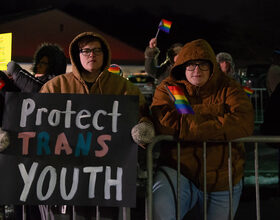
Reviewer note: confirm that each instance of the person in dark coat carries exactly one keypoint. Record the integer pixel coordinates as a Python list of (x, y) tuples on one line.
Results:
[(49, 61), (270, 125), (273, 74)]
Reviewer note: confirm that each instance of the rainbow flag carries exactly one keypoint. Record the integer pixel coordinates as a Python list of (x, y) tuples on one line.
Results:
[(180, 100), (2, 83), (165, 25), (248, 91), (115, 69)]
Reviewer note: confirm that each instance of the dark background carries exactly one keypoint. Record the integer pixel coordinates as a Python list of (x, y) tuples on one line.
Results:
[(249, 30)]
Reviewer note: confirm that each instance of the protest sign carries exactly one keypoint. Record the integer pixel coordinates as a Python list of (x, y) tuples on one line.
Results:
[(69, 149), (5, 50)]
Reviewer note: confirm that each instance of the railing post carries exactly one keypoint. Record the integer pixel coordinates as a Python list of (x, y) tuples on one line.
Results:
[(23, 212), (73, 213), (178, 180), (149, 189), (257, 181), (97, 213), (230, 179), (204, 182), (124, 213), (149, 182)]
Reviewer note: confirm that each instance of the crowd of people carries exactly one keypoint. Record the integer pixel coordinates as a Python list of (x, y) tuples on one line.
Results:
[(210, 84)]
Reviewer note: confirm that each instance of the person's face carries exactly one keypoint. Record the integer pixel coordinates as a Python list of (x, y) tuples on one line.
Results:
[(43, 65), (91, 57), (175, 58), (198, 72), (225, 66)]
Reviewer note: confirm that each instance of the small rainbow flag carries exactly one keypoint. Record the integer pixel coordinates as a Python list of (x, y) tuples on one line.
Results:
[(165, 25), (248, 91), (2, 83), (115, 69), (180, 100)]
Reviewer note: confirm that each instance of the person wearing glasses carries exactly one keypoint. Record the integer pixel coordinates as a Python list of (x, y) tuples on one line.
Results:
[(222, 112), (90, 57)]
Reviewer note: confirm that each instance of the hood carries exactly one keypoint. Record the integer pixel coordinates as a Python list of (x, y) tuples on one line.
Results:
[(74, 51), (224, 56), (195, 50)]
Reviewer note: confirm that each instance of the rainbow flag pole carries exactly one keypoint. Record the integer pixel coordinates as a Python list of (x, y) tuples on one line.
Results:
[(164, 25), (180, 100), (157, 33)]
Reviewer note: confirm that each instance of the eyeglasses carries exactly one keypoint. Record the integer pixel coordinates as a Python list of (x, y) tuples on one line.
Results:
[(87, 51), (202, 66)]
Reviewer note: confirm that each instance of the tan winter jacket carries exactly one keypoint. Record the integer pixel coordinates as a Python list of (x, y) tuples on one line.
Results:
[(222, 112), (105, 84)]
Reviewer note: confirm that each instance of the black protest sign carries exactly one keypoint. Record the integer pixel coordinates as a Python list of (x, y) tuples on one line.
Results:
[(69, 149)]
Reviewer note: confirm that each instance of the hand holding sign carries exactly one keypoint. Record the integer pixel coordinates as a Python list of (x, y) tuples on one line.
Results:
[(143, 133), (4, 140)]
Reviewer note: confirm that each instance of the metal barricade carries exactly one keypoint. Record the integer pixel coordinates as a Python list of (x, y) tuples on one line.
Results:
[(252, 139), (124, 213), (258, 99)]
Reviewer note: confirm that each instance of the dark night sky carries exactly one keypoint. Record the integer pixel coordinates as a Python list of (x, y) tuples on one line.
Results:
[(249, 29)]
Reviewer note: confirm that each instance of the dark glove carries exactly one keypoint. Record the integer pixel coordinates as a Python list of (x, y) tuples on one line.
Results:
[(6, 85), (4, 140), (13, 68), (143, 133), (24, 80)]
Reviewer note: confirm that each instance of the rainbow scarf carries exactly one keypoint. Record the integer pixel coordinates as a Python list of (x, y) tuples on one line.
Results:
[(180, 100), (115, 69), (248, 91), (165, 25)]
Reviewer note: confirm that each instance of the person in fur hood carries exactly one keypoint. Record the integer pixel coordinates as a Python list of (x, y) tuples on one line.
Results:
[(222, 112), (227, 65)]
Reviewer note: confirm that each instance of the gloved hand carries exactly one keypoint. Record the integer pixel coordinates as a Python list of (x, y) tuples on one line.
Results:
[(13, 68), (4, 140), (7, 83), (24, 80), (143, 133)]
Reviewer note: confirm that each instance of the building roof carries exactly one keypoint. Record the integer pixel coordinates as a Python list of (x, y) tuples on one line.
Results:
[(56, 26)]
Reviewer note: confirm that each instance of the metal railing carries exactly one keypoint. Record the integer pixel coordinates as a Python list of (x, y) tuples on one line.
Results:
[(252, 139), (258, 99), (124, 213)]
